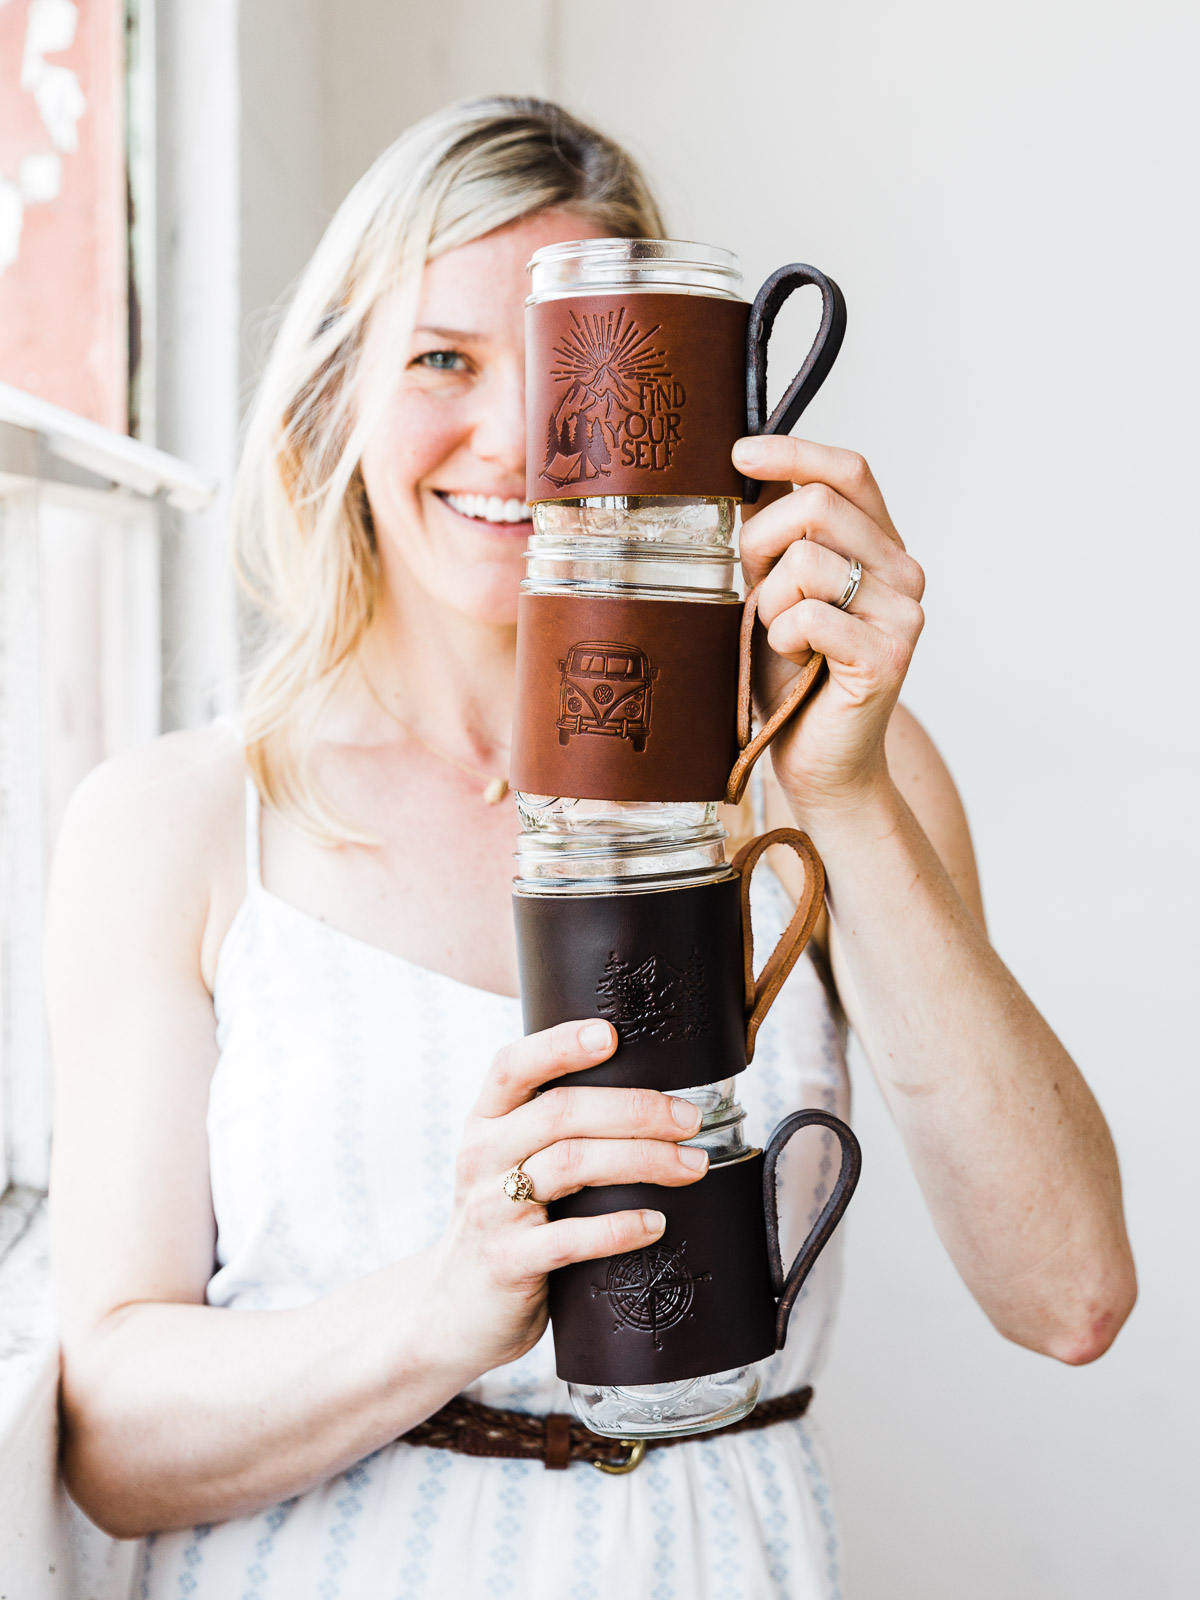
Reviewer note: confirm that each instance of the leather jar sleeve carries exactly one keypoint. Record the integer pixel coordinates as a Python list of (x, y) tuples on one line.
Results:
[(625, 699), (698, 1300), (664, 967), (634, 394)]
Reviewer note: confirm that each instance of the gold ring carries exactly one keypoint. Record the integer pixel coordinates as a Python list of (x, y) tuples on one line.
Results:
[(518, 1185)]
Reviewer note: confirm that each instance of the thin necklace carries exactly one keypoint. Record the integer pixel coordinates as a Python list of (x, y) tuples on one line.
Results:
[(495, 788)]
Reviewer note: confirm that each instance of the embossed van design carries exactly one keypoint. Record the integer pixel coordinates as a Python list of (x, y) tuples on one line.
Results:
[(605, 689)]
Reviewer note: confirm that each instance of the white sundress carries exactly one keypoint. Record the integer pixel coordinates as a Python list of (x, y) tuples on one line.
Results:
[(344, 1077)]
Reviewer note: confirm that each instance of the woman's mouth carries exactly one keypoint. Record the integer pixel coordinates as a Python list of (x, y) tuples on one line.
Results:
[(488, 509)]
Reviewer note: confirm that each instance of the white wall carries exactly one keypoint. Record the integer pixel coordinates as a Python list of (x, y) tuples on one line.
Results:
[(1007, 197), (281, 143), (385, 65)]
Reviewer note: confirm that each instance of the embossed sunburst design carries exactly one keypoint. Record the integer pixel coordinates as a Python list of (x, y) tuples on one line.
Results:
[(606, 364), (605, 354), (652, 1289)]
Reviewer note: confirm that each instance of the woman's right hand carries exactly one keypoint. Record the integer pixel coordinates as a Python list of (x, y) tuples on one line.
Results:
[(491, 1264)]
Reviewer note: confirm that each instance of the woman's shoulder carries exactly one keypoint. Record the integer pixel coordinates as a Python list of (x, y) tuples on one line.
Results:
[(155, 832), (189, 781)]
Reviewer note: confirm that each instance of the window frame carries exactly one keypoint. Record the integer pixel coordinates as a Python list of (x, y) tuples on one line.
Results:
[(60, 473)]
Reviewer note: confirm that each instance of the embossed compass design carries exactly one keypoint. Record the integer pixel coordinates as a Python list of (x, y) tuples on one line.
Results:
[(651, 1290)]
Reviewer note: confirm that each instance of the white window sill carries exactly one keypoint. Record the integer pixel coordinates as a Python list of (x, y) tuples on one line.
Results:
[(30, 1543), (48, 1549), (28, 1349), (32, 1548)]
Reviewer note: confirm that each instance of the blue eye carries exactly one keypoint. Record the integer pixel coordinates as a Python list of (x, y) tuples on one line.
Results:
[(439, 360)]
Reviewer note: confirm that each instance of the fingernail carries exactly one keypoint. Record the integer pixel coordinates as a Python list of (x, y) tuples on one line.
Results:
[(654, 1221), (686, 1114), (749, 452), (691, 1157), (595, 1035)]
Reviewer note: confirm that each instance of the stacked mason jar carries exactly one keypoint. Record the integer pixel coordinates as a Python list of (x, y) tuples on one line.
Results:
[(632, 723)]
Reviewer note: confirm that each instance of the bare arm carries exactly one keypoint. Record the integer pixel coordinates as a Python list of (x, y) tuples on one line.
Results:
[(1008, 1144), (173, 1411), (1011, 1151), (176, 1412)]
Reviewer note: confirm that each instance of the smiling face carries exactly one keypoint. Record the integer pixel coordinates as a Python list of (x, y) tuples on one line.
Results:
[(444, 469)]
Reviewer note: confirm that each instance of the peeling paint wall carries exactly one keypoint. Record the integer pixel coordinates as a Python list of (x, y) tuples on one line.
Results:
[(63, 298)]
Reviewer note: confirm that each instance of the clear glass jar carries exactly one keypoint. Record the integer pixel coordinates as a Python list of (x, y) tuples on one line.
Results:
[(686, 1405), (656, 547), (605, 266), (583, 865), (643, 549), (596, 860)]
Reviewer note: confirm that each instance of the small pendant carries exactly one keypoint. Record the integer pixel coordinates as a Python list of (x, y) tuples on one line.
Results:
[(495, 791)]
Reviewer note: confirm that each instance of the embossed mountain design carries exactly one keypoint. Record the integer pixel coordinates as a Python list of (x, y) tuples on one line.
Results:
[(603, 360), (651, 1000)]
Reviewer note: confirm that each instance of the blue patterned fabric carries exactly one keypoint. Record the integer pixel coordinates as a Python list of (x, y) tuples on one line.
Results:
[(343, 1080)]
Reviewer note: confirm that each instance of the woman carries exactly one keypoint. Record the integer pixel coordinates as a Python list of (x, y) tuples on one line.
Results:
[(273, 1018)]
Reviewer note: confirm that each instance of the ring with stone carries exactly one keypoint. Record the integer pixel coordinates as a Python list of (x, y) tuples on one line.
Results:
[(852, 582), (518, 1185)]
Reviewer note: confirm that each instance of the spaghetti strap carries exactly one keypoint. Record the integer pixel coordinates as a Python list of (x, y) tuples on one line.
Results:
[(253, 836)]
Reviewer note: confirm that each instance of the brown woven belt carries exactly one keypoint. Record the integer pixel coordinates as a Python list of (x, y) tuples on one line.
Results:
[(472, 1429)]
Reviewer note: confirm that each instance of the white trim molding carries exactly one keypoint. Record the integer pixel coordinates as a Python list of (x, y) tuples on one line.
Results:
[(81, 514)]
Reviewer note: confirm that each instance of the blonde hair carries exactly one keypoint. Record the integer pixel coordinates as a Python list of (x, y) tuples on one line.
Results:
[(304, 546)]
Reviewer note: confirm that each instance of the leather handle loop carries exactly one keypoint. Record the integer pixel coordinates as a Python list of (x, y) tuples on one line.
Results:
[(817, 364), (787, 1286), (761, 991), (750, 748)]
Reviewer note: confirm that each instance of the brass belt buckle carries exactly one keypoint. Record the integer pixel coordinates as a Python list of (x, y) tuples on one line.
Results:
[(636, 1449)]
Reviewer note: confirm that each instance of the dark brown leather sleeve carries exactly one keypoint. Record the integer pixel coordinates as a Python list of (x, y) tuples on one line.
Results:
[(699, 1300), (665, 968), (634, 393), (625, 699)]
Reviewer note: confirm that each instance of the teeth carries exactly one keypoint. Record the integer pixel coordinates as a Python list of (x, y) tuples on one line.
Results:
[(489, 507)]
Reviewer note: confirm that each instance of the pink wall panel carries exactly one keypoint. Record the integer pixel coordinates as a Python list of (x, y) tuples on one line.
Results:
[(63, 293)]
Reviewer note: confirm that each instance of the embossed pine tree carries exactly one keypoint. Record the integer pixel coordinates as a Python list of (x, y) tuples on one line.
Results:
[(596, 450), (551, 444), (613, 995), (626, 997), (694, 1016)]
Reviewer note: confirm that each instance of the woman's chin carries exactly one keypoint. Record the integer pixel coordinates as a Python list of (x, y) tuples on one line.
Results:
[(486, 593)]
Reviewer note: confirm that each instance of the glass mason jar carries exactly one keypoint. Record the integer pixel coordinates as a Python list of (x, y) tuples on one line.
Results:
[(626, 393), (644, 364), (686, 1405), (677, 855), (581, 867), (631, 897)]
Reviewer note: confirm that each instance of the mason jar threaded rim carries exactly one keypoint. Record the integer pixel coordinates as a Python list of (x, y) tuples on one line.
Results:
[(593, 863), (600, 266)]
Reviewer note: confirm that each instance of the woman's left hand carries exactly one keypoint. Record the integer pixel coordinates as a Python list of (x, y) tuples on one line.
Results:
[(800, 547)]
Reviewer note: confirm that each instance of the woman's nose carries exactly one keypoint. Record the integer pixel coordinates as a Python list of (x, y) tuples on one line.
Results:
[(499, 433)]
